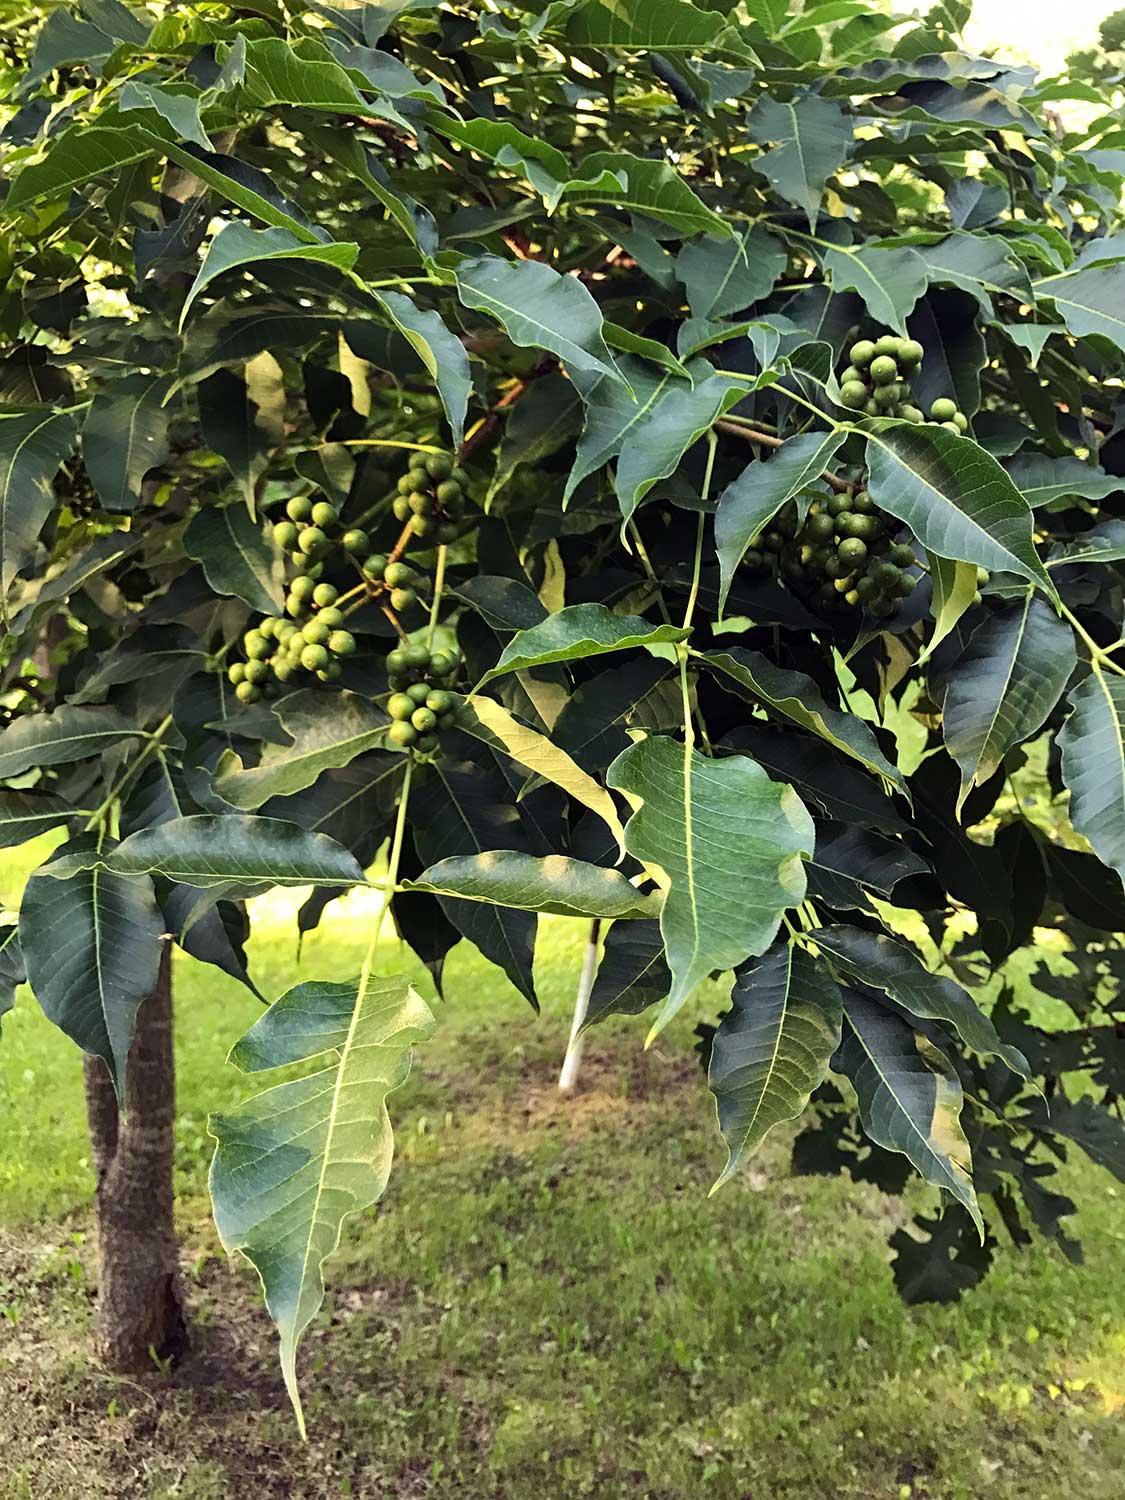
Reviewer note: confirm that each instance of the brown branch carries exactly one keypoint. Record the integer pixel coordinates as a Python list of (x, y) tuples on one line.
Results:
[(490, 423), (767, 440)]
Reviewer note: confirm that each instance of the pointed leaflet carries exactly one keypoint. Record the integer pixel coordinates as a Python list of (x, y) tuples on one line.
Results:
[(91, 944), (612, 413), (772, 1048), (654, 447), (909, 1096), (464, 809), (653, 188), (180, 110), (76, 155), (275, 74), (577, 632), (591, 726), (636, 25), (752, 500), (797, 698), (954, 496), (124, 436), (12, 970), (223, 850), (236, 556), (1103, 543), (727, 843), (1003, 685), (327, 732), (25, 815), (977, 264), (818, 775), (1091, 301), (56, 739), (1041, 479), (556, 884), (292, 1163), (442, 353), (813, 138), (243, 420), (32, 446), (954, 587), (489, 721), (725, 276), (1092, 742), (875, 960), (890, 281), (538, 425), (538, 309), (236, 247), (848, 860), (632, 975)]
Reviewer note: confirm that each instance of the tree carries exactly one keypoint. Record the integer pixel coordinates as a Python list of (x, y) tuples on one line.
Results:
[(572, 448)]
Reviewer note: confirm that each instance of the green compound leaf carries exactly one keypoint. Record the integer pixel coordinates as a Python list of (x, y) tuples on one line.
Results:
[(632, 975), (32, 446), (909, 1096), (275, 74), (291, 1164), (91, 945), (813, 137), (577, 632), (638, 25), (652, 450), (1092, 742), (56, 739), (235, 247), (180, 110), (751, 501), (797, 698), (954, 496), (76, 155), (1090, 301), (538, 309), (1004, 684), (1042, 479), (1103, 543), (25, 815), (556, 884), (880, 962), (215, 850), (124, 436), (726, 845), (612, 413), (653, 188), (236, 556), (327, 731), (772, 1048), (442, 353)]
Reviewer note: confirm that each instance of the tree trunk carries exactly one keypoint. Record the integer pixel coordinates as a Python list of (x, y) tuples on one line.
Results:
[(140, 1314)]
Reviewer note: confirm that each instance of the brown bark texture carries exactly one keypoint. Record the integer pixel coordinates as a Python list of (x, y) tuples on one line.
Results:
[(140, 1314)]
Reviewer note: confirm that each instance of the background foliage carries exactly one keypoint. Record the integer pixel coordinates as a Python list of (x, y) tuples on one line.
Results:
[(624, 254)]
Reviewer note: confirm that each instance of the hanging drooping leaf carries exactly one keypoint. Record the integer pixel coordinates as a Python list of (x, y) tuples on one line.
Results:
[(654, 447), (909, 1096), (25, 815), (440, 351), (1089, 301), (243, 419), (813, 137), (889, 280), (66, 735), (727, 276), (124, 436), (32, 446), (565, 887), (613, 411), (577, 632), (591, 725), (236, 556), (726, 845), (91, 945), (1092, 742), (633, 973), (1004, 684), (1042, 479), (652, 188), (325, 734), (291, 1164), (849, 860), (236, 247), (772, 1048)]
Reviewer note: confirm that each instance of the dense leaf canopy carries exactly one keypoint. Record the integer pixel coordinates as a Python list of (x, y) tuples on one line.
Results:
[(649, 462)]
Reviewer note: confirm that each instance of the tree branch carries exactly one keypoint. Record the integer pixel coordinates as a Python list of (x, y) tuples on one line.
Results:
[(767, 440)]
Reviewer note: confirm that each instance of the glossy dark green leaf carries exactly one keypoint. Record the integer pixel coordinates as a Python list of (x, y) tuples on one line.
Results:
[(726, 844), (577, 632), (442, 353), (652, 449), (808, 138), (32, 446), (25, 815), (242, 418), (1102, 543), (772, 1048), (878, 961), (91, 944), (633, 974), (726, 276), (276, 74), (849, 860), (752, 500), (1004, 684), (75, 156), (636, 25), (591, 725), (236, 556), (66, 735), (180, 110), (613, 412), (909, 1096), (889, 280), (954, 496), (1041, 479), (1092, 742), (1089, 1124), (652, 188), (836, 786), (12, 970), (1090, 301), (981, 264), (124, 436), (235, 247)]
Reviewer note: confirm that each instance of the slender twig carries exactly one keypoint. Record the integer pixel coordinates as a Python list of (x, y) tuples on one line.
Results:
[(766, 440), (130, 774), (646, 565), (1099, 655), (435, 605)]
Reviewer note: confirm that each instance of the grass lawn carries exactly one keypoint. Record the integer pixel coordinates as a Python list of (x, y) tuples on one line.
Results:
[(546, 1302)]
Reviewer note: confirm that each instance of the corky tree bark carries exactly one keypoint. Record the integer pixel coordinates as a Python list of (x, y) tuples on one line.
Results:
[(140, 1313)]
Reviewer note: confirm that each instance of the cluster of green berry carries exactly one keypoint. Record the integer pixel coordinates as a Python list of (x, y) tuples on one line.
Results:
[(877, 383), (431, 497), (279, 650), (843, 555), (420, 705)]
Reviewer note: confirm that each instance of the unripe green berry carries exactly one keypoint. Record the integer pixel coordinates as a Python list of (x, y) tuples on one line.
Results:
[(852, 551), (420, 502), (862, 354), (886, 575), (325, 594), (397, 574), (300, 508), (341, 643), (355, 541), (402, 734), (852, 596), (418, 692), (314, 658), (862, 503), (257, 671), (332, 617), (910, 353), (285, 535), (447, 532), (842, 523), (417, 658), (883, 370), (402, 509), (298, 608), (282, 670), (256, 645), (396, 661), (313, 541), (853, 395), (888, 346), (911, 414), (301, 564), (439, 465), (850, 375), (943, 409), (448, 493), (901, 555), (424, 719), (247, 692), (951, 427), (983, 577), (408, 483), (331, 672), (302, 588), (443, 664), (439, 701), (403, 599), (400, 705), (866, 588), (960, 421), (462, 478), (236, 672), (418, 460), (324, 514), (820, 527), (905, 585), (426, 744), (887, 396), (422, 526), (315, 633)]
